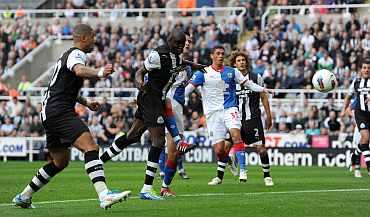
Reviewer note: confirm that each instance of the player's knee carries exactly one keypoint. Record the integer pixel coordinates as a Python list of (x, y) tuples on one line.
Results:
[(220, 154), (158, 141), (132, 137), (126, 140), (261, 150), (172, 157), (91, 147), (61, 164)]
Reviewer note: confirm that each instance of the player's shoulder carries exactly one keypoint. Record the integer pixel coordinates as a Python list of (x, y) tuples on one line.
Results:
[(76, 53)]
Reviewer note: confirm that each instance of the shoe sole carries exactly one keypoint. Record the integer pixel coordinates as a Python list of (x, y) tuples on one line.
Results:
[(125, 196), (212, 184), (242, 180)]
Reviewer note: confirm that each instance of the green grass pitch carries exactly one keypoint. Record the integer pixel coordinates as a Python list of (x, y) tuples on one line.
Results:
[(298, 191)]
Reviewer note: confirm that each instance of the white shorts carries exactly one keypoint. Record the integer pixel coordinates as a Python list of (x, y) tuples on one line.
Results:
[(178, 112), (219, 123)]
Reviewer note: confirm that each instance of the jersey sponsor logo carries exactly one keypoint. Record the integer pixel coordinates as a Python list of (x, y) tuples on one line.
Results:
[(160, 120)]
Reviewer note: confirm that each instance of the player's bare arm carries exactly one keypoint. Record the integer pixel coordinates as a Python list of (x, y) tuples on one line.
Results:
[(193, 65), (87, 72), (346, 103), (139, 77), (92, 105)]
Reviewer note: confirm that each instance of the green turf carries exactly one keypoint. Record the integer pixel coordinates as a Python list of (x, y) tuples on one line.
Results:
[(224, 200)]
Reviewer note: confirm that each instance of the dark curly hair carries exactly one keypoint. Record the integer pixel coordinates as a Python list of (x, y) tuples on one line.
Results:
[(236, 54)]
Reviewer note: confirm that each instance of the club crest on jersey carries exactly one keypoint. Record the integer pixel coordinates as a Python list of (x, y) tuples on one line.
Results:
[(229, 75), (160, 120)]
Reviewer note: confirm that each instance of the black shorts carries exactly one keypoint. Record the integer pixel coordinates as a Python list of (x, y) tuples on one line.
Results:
[(150, 109), (362, 119), (62, 131), (252, 132)]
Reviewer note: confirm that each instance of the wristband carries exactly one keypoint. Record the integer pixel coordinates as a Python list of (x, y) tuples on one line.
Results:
[(101, 73)]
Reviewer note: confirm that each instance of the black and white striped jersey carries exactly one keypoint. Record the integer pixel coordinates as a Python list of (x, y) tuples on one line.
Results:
[(360, 89), (249, 101), (64, 86)]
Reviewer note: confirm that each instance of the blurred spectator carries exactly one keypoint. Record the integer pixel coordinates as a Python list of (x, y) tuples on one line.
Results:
[(332, 123), (97, 131), (23, 85), (312, 129), (8, 128)]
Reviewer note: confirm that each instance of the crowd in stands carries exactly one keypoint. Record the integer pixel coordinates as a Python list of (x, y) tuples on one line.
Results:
[(111, 4), (286, 55)]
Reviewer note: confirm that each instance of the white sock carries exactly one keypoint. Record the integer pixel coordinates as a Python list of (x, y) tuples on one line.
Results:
[(164, 185), (100, 188), (27, 192), (146, 188)]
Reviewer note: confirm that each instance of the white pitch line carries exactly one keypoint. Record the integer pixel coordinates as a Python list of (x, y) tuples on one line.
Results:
[(213, 194)]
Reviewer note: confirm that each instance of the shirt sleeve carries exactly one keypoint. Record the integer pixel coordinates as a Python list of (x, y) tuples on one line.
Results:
[(197, 79), (260, 81), (239, 77), (76, 57), (253, 86), (153, 61)]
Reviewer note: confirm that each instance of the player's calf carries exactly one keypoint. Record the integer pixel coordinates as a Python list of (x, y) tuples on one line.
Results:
[(118, 145)]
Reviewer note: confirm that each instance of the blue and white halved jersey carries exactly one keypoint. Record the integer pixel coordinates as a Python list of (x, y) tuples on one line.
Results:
[(218, 88), (177, 90)]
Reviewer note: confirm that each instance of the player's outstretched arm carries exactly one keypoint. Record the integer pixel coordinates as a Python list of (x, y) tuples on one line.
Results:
[(87, 72), (194, 66), (255, 87)]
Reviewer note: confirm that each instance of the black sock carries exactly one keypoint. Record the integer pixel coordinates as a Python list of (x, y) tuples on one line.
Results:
[(118, 145), (265, 164), (43, 176), (366, 152), (221, 167), (94, 167), (356, 157), (152, 164)]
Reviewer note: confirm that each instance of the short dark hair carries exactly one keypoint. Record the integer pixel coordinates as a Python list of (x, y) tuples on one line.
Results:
[(365, 61), (82, 29), (217, 47), (177, 35)]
